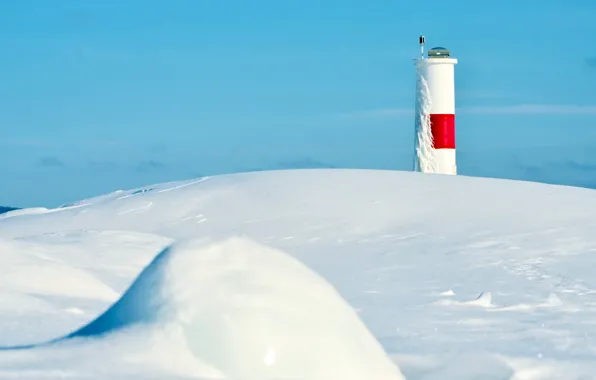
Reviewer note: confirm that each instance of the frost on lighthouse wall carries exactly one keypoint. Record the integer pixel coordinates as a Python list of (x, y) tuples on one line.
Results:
[(424, 160)]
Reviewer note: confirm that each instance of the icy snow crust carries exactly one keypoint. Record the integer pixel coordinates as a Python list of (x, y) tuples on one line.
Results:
[(456, 277)]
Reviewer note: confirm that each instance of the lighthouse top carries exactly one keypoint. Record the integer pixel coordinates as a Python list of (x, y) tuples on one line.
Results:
[(438, 52), (435, 55)]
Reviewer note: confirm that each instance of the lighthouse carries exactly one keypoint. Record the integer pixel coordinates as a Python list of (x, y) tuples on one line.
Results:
[(435, 111)]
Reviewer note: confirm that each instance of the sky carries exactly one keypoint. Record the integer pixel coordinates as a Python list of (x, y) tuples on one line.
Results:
[(104, 95)]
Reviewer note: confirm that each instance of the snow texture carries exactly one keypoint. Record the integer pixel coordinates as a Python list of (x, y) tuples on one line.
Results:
[(424, 159), (455, 277), (249, 311)]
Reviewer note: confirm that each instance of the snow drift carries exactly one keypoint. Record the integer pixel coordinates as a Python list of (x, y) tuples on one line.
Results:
[(248, 311), (411, 253)]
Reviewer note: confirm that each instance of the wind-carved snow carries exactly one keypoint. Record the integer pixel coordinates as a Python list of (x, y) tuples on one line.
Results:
[(248, 311), (424, 160), (483, 300), (410, 254)]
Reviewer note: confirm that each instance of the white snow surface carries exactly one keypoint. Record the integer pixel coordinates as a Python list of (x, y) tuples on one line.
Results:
[(455, 277), (244, 310)]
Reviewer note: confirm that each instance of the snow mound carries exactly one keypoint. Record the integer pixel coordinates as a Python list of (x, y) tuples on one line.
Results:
[(249, 311), (483, 300), (553, 300)]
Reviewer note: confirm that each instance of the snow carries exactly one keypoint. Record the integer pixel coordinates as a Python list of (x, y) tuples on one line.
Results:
[(455, 277), (424, 160), (26, 211), (250, 311)]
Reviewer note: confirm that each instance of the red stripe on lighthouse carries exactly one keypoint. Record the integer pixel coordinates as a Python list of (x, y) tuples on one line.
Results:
[(443, 130)]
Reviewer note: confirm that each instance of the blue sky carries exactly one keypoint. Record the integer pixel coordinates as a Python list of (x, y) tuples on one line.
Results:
[(104, 95)]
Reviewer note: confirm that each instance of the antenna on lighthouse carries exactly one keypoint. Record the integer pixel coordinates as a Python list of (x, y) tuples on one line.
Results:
[(421, 40)]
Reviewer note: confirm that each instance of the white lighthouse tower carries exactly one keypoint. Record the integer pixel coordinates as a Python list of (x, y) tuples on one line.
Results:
[(435, 112)]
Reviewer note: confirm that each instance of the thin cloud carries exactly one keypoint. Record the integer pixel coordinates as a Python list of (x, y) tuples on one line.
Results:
[(569, 172), (304, 163), (378, 113), (591, 62), (28, 143), (521, 109), (150, 165), (159, 149), (60, 143), (561, 168), (544, 109), (100, 166), (51, 162), (298, 163)]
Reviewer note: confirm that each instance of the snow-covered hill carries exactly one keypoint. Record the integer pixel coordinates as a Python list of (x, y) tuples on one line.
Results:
[(456, 277)]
